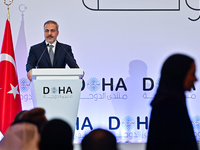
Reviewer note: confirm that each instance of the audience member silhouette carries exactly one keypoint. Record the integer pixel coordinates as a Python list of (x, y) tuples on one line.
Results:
[(36, 115), (57, 134), (21, 135), (170, 126), (99, 139), (19, 115)]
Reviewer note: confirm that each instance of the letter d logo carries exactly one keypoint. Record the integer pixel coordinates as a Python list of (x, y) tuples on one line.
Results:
[(46, 90)]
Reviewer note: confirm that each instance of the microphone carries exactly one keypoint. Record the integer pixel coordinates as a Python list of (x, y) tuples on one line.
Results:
[(70, 56), (41, 56)]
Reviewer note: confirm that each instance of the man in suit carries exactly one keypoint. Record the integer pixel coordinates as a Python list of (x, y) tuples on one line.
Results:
[(50, 53)]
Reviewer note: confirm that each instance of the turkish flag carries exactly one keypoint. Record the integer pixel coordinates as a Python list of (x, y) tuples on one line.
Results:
[(10, 101)]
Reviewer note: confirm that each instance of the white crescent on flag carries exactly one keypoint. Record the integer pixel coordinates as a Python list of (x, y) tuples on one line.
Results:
[(6, 57)]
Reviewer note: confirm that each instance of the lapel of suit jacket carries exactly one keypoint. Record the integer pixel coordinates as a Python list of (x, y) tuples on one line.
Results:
[(46, 53), (58, 51)]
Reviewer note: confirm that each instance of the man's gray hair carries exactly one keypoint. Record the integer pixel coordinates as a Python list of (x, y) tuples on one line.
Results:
[(51, 21)]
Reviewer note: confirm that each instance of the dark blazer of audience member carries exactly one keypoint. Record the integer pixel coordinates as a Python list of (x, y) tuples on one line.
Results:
[(170, 126), (99, 139), (56, 135)]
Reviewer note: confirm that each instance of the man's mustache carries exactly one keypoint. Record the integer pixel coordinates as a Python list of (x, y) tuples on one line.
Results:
[(50, 36)]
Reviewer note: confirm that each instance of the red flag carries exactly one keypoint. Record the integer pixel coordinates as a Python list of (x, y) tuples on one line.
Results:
[(10, 101)]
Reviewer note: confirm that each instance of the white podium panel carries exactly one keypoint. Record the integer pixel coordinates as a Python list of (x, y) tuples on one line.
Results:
[(56, 74), (58, 93)]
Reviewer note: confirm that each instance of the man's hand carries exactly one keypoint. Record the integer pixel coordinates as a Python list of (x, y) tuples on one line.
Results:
[(29, 75), (83, 75)]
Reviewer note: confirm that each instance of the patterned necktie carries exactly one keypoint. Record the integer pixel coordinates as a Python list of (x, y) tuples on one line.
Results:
[(51, 54)]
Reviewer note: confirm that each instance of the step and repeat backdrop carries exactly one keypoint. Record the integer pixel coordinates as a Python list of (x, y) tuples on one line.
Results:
[(121, 45)]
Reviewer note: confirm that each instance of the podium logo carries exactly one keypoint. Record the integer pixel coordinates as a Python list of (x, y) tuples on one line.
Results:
[(57, 90)]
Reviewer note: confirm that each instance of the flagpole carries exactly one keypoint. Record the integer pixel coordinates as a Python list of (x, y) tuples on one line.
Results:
[(8, 7)]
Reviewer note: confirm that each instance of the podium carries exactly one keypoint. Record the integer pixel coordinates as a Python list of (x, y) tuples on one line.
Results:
[(58, 92)]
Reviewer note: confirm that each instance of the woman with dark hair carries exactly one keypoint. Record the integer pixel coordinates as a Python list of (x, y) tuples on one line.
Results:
[(170, 126)]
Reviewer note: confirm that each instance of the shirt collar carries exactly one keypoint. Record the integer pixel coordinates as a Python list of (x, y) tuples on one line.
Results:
[(54, 43)]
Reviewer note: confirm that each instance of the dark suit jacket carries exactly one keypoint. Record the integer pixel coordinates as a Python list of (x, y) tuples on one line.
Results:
[(39, 56)]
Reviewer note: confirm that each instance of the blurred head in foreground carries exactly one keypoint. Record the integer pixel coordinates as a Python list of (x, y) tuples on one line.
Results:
[(57, 134), (99, 139)]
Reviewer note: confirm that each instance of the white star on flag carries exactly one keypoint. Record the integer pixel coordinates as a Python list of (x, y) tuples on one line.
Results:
[(14, 90)]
